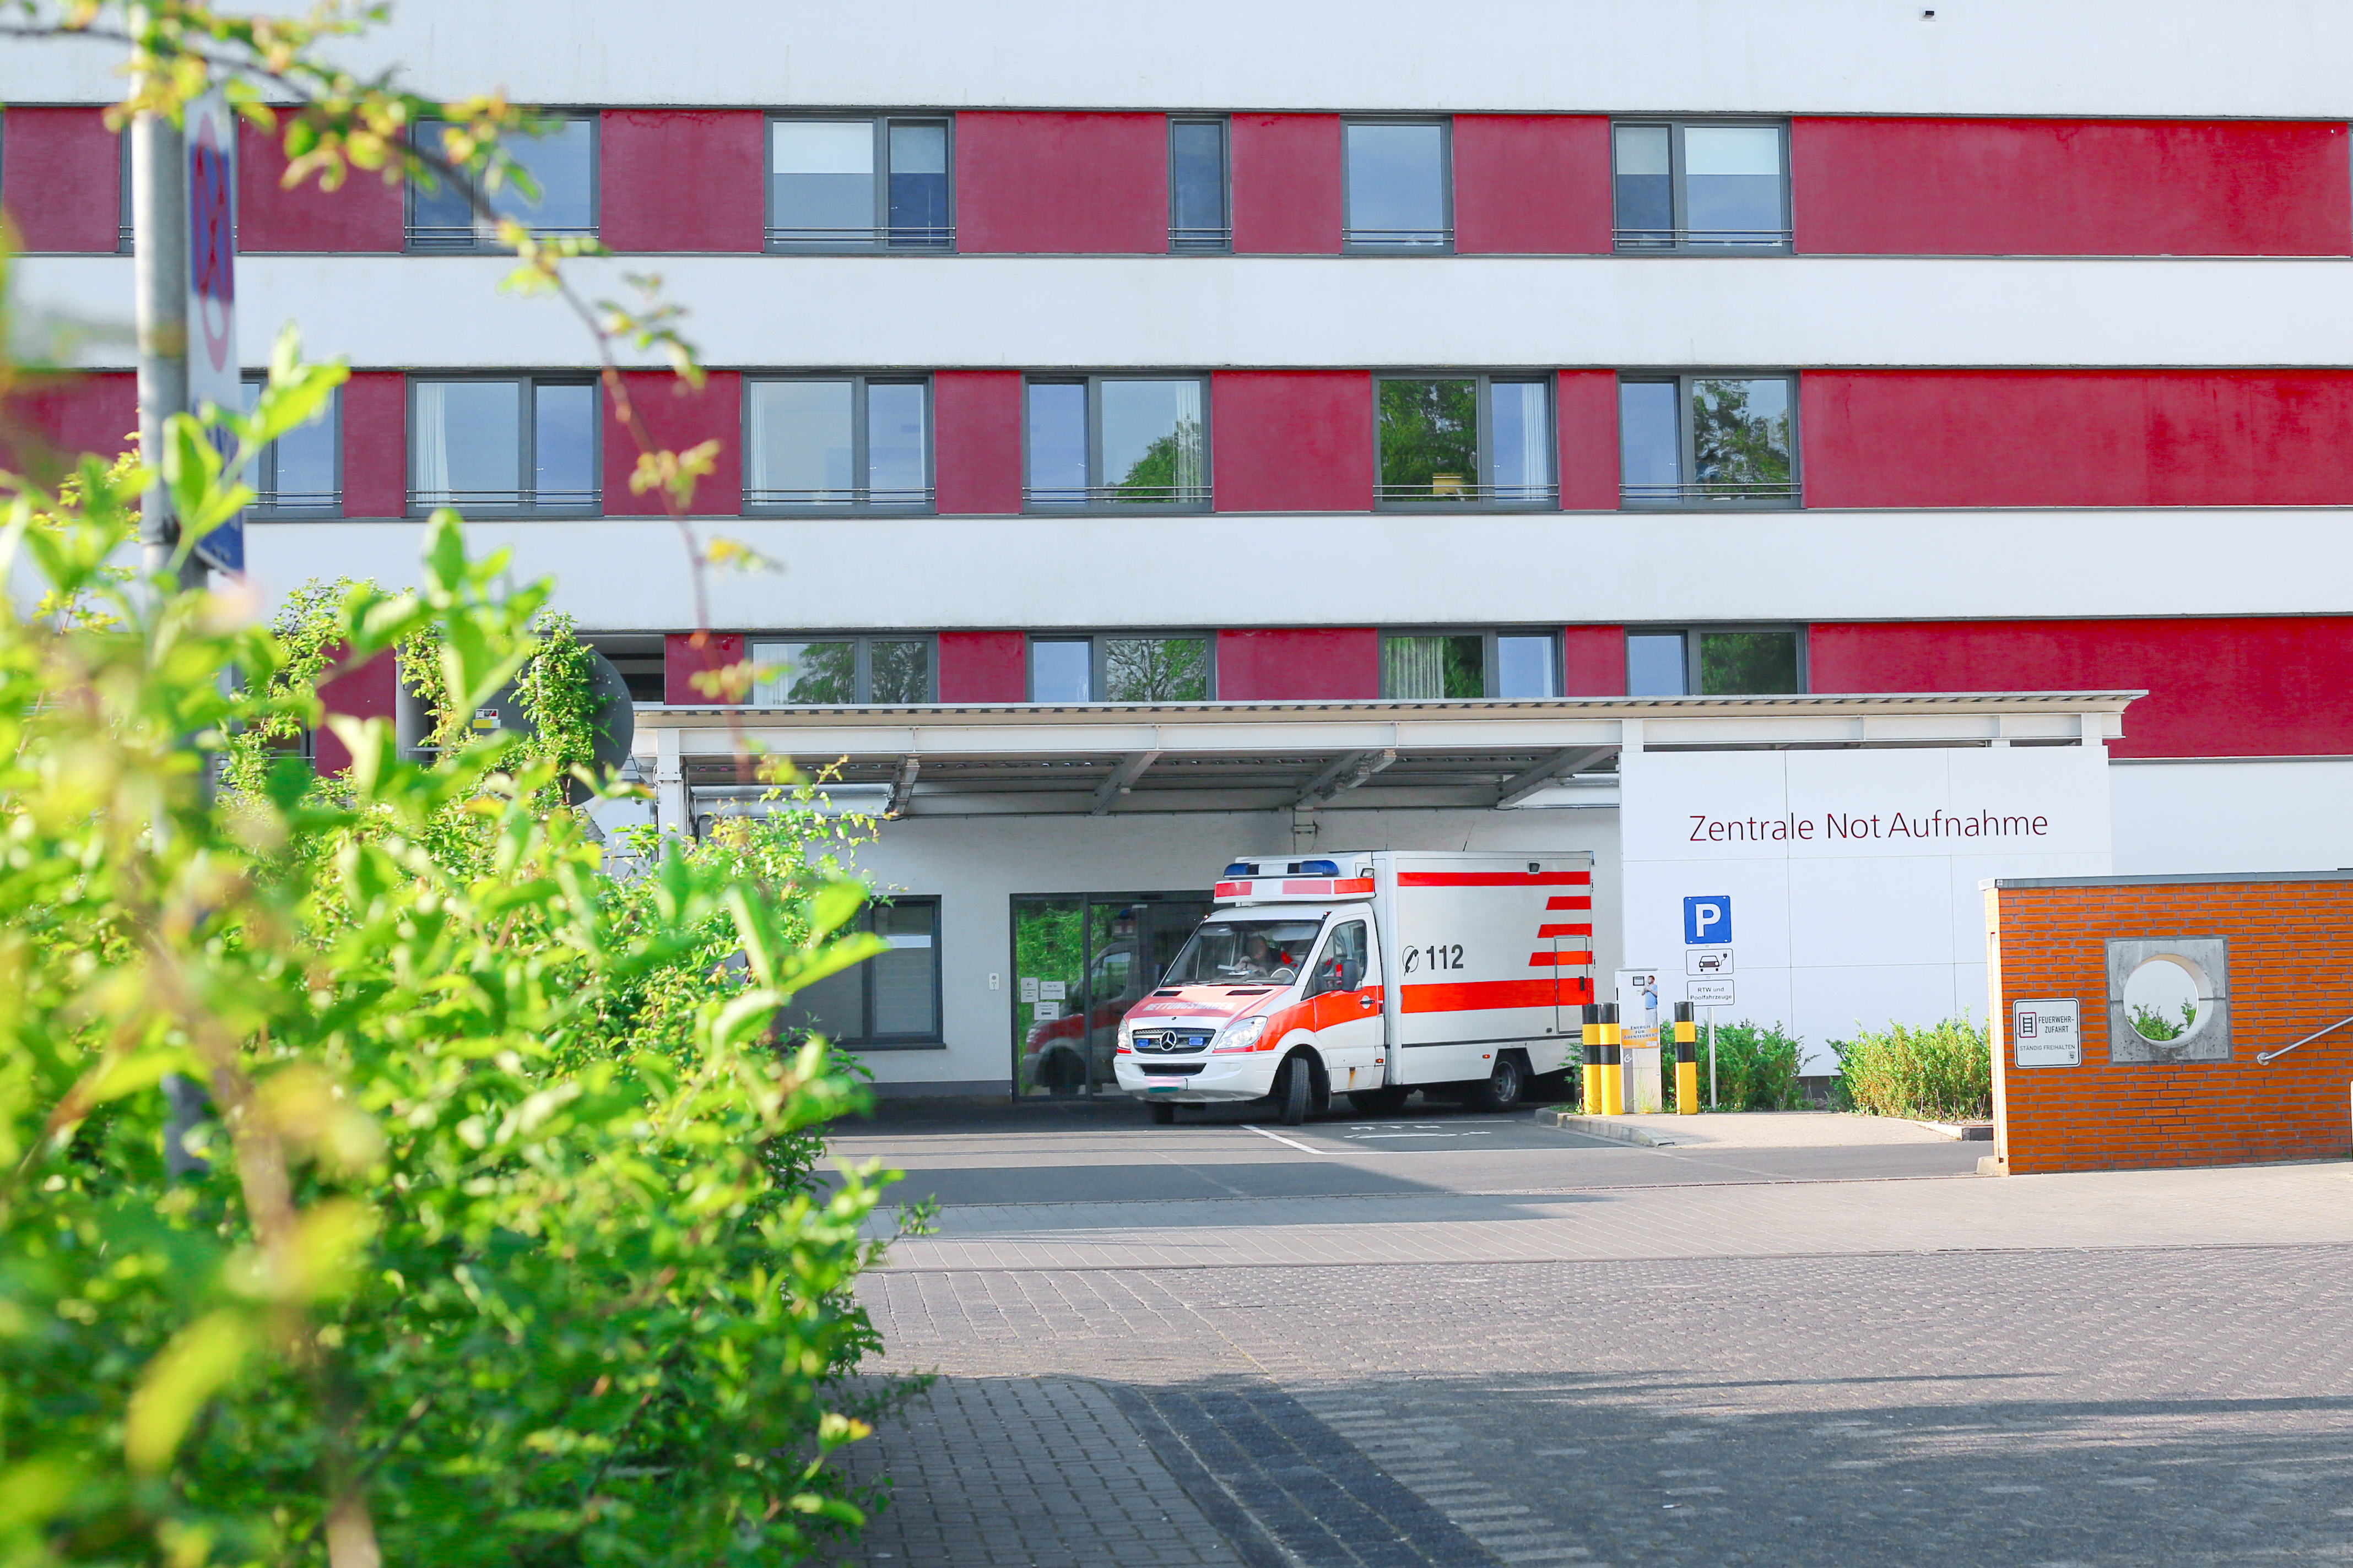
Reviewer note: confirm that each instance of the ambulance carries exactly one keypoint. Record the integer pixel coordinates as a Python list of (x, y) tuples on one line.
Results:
[(1370, 975)]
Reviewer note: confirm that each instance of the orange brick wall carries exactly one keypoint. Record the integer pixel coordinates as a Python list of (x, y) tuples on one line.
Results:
[(2291, 972)]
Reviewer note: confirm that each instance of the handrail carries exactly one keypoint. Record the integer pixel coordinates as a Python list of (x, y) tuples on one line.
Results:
[(2263, 1059)]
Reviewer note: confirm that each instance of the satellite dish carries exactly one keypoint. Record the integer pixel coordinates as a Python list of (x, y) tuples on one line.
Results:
[(612, 725)]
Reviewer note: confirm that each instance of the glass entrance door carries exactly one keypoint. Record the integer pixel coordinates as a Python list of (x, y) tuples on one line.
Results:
[(1080, 961)]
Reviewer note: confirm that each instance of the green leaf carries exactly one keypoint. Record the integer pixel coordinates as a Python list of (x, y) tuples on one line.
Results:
[(199, 1360)]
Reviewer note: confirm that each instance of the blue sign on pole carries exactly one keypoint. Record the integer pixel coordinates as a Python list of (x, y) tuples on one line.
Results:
[(1707, 921), (214, 375)]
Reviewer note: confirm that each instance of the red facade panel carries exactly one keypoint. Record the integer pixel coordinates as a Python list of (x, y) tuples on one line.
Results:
[(1291, 440), (61, 177), (1301, 664), (1588, 440), (363, 214), (2033, 438), (683, 659), (2242, 687), (983, 666), (370, 690), (375, 444), (977, 440), (682, 179), (1593, 661), (51, 421), (678, 417), (1286, 183), (2070, 188), (1038, 181), (1531, 184)]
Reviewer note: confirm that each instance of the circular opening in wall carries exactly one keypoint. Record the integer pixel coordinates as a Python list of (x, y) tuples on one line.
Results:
[(2167, 998)]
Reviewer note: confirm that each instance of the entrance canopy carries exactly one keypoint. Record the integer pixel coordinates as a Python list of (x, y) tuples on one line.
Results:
[(1031, 759)]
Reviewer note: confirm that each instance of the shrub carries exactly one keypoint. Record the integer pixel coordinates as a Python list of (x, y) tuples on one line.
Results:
[(1756, 1068), (1940, 1073), (502, 1244)]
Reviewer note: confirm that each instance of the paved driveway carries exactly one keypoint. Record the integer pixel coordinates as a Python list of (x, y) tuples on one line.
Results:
[(1486, 1342)]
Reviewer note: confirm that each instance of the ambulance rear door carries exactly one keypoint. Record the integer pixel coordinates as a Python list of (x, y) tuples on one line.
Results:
[(1480, 966)]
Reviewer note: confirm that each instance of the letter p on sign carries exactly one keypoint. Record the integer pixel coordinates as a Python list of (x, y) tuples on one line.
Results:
[(1707, 921)]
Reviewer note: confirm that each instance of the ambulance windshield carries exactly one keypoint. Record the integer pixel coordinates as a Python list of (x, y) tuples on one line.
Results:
[(1244, 952)]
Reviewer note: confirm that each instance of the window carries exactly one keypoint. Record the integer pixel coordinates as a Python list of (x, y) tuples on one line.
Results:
[(1197, 218), (1121, 668), (1398, 199), (1461, 441), (514, 444), (1342, 965), (1727, 661), (1117, 442), (562, 163), (859, 184), (892, 671), (837, 444), (301, 473), (893, 998), (1701, 187), (1709, 440), (1429, 667)]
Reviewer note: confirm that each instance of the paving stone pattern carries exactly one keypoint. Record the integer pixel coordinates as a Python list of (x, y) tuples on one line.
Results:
[(2050, 1407)]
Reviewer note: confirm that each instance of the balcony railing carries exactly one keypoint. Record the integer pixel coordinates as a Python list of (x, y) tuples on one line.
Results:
[(297, 503), (917, 236), (855, 498), (431, 237), (1413, 239), (1711, 494), (506, 501), (1200, 238), (1170, 496), (1701, 239), (1445, 490)]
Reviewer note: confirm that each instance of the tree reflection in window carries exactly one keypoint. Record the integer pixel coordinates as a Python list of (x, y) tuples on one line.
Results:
[(1740, 437), (1155, 669)]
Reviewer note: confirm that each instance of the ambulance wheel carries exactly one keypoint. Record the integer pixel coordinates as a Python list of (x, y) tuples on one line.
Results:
[(1293, 1088), (1383, 1101), (1162, 1114), (1502, 1092)]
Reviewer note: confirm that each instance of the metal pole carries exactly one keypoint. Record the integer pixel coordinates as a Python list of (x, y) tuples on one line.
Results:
[(158, 270), (1711, 1058)]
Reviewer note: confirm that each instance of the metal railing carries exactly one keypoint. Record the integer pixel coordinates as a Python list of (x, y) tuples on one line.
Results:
[(2263, 1059), (1442, 490), (297, 503), (1116, 495), (1200, 238), (506, 501), (1700, 239), (1398, 238), (454, 236), (852, 498), (913, 236), (1713, 493)]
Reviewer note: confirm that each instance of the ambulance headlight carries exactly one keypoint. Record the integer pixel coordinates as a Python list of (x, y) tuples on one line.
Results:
[(1242, 1035)]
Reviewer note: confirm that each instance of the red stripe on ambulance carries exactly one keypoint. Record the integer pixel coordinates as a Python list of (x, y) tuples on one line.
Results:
[(1568, 903), (1555, 960), (1545, 932), (1494, 879)]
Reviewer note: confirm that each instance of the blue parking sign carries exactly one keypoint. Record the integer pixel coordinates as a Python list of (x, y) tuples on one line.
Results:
[(1707, 921)]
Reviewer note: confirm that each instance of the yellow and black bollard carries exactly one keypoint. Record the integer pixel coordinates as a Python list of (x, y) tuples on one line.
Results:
[(1686, 1067), (1590, 1034), (1614, 1070)]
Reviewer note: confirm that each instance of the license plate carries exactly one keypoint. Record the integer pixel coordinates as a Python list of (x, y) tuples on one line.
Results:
[(1151, 1088)]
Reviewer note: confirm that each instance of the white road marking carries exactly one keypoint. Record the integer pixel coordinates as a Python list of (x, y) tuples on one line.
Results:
[(1281, 1139)]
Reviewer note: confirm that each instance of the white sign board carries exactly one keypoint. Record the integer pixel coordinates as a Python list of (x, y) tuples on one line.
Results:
[(2046, 1033), (1707, 963), (1028, 988), (1848, 878), (1045, 1012), (1051, 990), (1708, 993)]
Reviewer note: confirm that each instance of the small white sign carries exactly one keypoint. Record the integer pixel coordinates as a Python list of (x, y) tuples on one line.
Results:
[(1028, 988), (1709, 962), (1045, 1012), (1708, 993), (2046, 1033), (1052, 990)]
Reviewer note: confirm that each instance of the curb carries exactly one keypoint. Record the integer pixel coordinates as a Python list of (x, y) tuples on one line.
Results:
[(1610, 1128), (1961, 1132)]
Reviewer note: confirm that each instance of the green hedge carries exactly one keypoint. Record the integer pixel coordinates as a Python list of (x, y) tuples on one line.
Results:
[(1943, 1072), (1756, 1068)]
